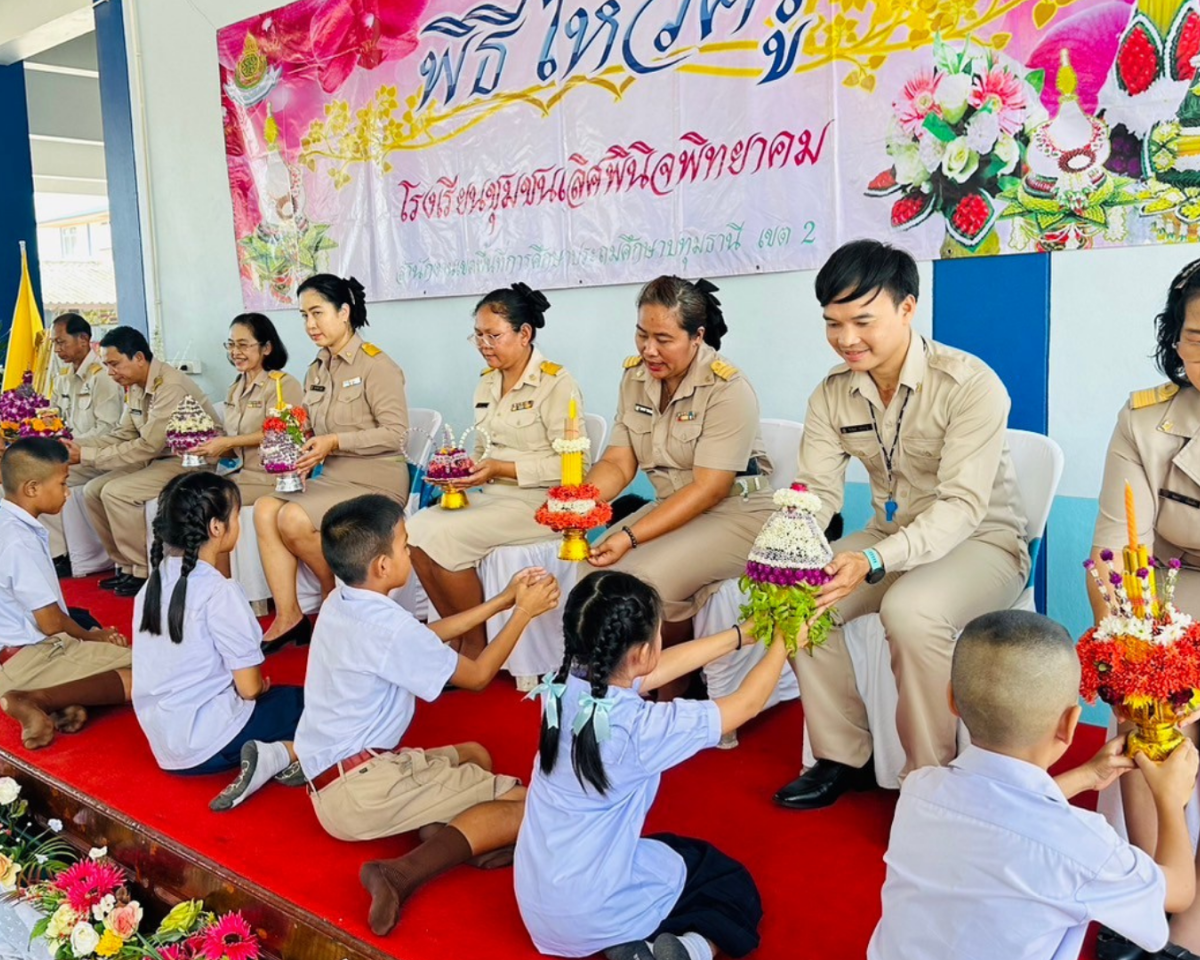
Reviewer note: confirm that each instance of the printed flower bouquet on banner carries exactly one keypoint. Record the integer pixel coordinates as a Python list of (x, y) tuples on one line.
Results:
[(786, 570), (26, 413), (1144, 657), (189, 427), (450, 464), (958, 135), (284, 434), (574, 507)]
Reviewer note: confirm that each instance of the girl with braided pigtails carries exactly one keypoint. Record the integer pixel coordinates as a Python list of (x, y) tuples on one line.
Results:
[(199, 693), (586, 880)]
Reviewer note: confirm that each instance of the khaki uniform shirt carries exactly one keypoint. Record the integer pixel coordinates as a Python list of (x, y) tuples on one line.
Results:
[(524, 423), (1154, 448), (248, 404), (90, 401), (141, 436), (953, 476), (359, 396), (712, 422)]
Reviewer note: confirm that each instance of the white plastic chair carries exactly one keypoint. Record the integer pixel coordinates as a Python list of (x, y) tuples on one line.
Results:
[(424, 425), (724, 675), (540, 648), (1038, 462)]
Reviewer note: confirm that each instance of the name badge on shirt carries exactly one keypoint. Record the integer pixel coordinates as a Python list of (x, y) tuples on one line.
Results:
[(482, 406), (254, 403), (1179, 498), (351, 383), (642, 408), (685, 417), (136, 413), (317, 387), (524, 405), (857, 428)]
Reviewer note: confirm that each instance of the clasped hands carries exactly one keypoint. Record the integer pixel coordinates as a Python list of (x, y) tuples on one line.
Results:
[(533, 590)]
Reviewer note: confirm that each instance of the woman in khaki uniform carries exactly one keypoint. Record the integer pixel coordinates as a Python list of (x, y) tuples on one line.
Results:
[(690, 420), (259, 356), (354, 395), (1155, 449), (521, 405)]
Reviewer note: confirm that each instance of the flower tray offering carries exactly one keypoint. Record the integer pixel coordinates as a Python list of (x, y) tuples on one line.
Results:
[(785, 571), (26, 413), (284, 435), (450, 463), (188, 428)]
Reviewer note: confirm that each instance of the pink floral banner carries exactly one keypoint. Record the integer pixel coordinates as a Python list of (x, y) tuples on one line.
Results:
[(437, 147)]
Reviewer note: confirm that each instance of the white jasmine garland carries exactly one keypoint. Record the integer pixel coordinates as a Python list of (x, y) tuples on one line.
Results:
[(579, 445), (804, 500), (791, 541), (578, 507)]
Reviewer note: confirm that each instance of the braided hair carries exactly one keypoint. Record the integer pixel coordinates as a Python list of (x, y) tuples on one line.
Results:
[(694, 303), (607, 614), (186, 508)]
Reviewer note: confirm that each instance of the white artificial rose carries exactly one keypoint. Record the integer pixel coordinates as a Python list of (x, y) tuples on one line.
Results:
[(931, 150), (960, 160), (84, 939), (951, 98), (9, 790), (1008, 150), (909, 168), (61, 922), (982, 131)]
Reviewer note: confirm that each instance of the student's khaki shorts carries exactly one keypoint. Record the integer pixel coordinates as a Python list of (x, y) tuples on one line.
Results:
[(398, 792), (61, 659)]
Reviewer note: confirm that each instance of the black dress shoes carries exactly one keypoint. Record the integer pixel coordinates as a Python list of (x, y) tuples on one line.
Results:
[(111, 583), (821, 785), (1172, 951), (129, 587), (62, 567), (300, 635), (1110, 945)]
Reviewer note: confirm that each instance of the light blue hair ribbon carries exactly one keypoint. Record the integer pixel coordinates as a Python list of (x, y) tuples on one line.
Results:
[(551, 693), (596, 709)]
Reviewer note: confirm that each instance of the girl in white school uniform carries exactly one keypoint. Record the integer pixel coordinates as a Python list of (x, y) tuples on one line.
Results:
[(586, 880), (198, 692)]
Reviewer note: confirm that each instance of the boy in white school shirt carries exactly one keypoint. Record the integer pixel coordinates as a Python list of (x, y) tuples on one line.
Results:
[(51, 666), (370, 660), (987, 858)]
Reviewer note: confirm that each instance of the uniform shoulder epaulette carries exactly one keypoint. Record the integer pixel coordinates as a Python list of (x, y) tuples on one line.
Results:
[(634, 361), (158, 382), (371, 350), (485, 371), (726, 371), (276, 374), (551, 369), (1148, 398)]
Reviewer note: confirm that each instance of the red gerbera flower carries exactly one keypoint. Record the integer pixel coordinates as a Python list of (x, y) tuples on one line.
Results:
[(88, 882), (230, 938)]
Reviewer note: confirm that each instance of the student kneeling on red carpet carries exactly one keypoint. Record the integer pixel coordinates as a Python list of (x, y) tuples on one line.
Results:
[(369, 662), (199, 692), (51, 665)]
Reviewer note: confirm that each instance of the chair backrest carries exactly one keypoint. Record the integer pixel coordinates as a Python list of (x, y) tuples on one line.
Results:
[(597, 432), (782, 440), (424, 425), (1038, 462)]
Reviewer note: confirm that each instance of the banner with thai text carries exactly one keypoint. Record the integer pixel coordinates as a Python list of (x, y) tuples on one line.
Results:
[(438, 147)]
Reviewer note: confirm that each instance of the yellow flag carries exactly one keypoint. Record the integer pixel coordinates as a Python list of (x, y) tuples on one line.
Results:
[(22, 336)]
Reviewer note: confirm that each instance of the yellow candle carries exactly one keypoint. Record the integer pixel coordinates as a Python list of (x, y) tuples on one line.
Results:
[(572, 463), (279, 393), (571, 410), (1131, 517)]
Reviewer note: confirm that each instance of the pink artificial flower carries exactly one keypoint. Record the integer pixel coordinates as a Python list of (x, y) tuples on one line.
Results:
[(230, 938), (124, 920), (87, 883), (362, 33), (1005, 94), (917, 100), (175, 951)]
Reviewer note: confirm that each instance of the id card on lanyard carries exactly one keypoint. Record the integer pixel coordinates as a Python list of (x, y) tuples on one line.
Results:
[(889, 455)]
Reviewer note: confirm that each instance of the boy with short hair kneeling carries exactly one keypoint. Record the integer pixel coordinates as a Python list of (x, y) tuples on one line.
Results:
[(51, 665), (370, 660), (987, 858)]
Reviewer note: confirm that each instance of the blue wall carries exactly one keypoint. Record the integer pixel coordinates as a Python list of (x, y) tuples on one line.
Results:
[(17, 219)]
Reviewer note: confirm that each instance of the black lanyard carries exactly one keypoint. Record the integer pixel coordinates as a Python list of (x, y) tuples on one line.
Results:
[(889, 455)]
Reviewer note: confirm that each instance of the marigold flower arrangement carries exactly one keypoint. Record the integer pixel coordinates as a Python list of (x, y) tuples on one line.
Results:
[(786, 570), (284, 434), (26, 413), (574, 507), (958, 136)]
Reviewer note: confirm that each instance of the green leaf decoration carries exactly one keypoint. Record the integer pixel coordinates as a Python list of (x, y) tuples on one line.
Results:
[(786, 610), (939, 128), (1037, 80)]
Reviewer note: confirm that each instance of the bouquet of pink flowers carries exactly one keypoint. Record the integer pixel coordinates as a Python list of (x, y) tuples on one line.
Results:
[(957, 138)]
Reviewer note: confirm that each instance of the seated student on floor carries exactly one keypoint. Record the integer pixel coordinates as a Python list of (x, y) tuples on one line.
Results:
[(199, 692), (987, 858), (52, 666), (370, 660), (586, 880)]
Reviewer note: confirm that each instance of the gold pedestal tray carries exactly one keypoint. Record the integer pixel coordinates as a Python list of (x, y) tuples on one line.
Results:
[(1155, 732), (575, 546), (454, 499)]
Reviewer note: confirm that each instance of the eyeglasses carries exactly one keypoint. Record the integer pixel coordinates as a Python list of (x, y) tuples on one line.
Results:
[(242, 344), (487, 339)]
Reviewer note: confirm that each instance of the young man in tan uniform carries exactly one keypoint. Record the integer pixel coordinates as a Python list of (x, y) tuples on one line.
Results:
[(91, 404), (947, 539), (134, 457)]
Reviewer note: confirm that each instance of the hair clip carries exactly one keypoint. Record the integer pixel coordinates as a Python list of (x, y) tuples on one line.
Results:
[(551, 692), (597, 710)]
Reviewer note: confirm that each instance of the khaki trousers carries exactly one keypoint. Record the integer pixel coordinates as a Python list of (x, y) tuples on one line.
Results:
[(78, 477), (116, 504), (61, 659), (923, 612)]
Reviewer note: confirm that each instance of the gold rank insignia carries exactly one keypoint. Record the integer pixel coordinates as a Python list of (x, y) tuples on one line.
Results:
[(686, 417), (634, 361), (485, 371), (551, 369), (371, 350), (725, 371), (1155, 395), (523, 405), (157, 383)]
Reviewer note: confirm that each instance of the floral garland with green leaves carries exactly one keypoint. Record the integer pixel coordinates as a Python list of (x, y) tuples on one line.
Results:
[(87, 909)]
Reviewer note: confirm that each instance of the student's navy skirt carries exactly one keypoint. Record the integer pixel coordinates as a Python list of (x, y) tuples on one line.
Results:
[(275, 717), (719, 899)]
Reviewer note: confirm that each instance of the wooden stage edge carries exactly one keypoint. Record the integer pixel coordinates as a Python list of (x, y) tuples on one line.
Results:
[(168, 871)]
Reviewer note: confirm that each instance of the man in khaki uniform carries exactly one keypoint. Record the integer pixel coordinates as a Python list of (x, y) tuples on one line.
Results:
[(91, 404), (947, 539), (134, 457)]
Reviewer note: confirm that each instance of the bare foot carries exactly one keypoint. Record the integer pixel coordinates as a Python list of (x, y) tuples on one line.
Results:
[(69, 719), (37, 729), (280, 626), (385, 902)]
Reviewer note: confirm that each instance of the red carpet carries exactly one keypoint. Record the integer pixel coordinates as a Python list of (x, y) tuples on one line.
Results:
[(820, 873)]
